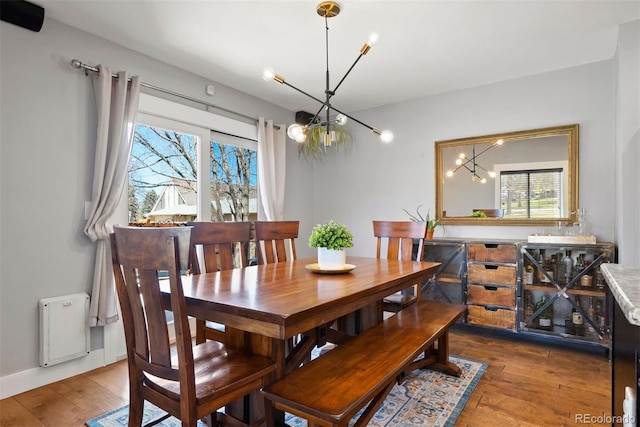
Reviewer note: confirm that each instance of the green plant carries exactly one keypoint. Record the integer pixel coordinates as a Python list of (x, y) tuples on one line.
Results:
[(418, 217), (479, 214), (314, 144), (331, 235)]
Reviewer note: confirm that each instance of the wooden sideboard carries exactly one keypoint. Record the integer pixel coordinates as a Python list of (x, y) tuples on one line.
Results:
[(490, 277)]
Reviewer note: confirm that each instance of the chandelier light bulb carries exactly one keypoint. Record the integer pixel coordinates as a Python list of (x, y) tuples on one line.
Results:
[(458, 162), (297, 132), (492, 174), (499, 142), (268, 74), (341, 119), (386, 136), (462, 156), (483, 180), (373, 39), (449, 173)]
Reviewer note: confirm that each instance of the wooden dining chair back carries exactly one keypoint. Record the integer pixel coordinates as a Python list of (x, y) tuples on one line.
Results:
[(275, 240), (196, 381), (400, 237), (222, 246)]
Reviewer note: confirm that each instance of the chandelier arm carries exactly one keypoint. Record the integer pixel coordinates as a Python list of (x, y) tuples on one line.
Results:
[(304, 93), (329, 106), (346, 74), (485, 150), (354, 119)]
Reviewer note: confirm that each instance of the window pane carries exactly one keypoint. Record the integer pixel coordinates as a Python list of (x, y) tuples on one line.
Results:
[(162, 176), (233, 183), (532, 193)]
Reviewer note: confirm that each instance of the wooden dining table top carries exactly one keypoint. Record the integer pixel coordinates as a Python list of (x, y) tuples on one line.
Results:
[(283, 299)]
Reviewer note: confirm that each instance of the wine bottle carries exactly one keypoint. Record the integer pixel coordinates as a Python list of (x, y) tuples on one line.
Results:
[(577, 319), (528, 277), (528, 305), (545, 320), (591, 311), (568, 267)]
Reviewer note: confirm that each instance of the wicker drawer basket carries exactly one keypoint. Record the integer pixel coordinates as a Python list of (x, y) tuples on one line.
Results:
[(491, 316), (498, 274), (492, 253), (492, 295)]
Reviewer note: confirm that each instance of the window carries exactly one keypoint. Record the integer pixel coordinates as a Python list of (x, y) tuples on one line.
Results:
[(175, 178), (532, 193)]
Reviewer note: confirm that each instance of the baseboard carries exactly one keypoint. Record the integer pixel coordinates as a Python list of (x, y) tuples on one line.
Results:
[(29, 379)]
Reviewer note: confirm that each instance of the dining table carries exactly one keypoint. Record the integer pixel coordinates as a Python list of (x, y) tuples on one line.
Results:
[(283, 310)]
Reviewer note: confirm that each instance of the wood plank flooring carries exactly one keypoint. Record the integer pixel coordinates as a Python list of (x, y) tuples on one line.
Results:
[(526, 384)]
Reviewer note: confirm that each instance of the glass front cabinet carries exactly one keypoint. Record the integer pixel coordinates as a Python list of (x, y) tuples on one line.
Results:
[(448, 282), (548, 290), (563, 291)]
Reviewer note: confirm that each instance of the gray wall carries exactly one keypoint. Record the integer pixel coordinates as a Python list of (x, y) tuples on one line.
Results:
[(627, 172), (376, 181), (47, 155)]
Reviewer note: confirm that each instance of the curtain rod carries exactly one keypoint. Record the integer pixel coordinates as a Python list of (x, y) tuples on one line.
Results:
[(76, 63)]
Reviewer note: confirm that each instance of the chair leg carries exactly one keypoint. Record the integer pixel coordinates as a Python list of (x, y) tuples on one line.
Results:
[(136, 406), (200, 331)]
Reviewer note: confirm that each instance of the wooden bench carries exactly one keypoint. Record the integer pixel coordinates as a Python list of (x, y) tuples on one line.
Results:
[(330, 390)]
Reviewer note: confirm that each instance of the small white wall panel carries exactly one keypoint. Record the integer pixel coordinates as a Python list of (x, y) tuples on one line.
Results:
[(64, 328)]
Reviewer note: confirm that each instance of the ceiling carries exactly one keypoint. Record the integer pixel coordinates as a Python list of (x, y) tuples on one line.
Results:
[(425, 47)]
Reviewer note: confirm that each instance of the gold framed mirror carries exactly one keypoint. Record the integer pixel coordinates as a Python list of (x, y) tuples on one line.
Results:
[(527, 177)]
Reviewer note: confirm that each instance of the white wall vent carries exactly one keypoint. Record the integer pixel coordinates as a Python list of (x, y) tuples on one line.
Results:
[(64, 328)]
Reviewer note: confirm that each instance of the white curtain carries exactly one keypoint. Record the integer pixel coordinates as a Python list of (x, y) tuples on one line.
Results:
[(117, 107), (271, 168)]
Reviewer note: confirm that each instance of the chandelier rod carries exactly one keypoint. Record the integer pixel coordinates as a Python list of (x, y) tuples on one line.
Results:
[(327, 92), (333, 92)]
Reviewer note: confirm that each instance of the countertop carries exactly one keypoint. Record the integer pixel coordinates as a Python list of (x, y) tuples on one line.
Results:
[(624, 283)]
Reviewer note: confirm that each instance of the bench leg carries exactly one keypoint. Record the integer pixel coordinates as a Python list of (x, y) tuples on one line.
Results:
[(437, 359), (442, 363), (373, 406)]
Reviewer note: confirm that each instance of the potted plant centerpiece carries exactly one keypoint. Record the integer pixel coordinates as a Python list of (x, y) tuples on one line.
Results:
[(331, 239)]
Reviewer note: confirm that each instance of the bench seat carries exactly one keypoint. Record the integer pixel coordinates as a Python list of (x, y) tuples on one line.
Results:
[(331, 389)]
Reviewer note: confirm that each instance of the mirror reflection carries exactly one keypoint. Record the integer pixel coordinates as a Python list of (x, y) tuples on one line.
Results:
[(518, 178)]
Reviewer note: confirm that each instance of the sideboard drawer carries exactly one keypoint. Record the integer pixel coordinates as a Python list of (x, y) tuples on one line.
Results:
[(492, 295), (491, 316), (492, 253), (498, 274)]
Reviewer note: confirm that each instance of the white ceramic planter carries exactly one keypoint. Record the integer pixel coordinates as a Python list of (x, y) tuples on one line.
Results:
[(330, 259)]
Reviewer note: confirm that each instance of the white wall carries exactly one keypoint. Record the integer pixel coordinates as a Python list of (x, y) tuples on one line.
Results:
[(627, 173), (47, 153), (376, 181)]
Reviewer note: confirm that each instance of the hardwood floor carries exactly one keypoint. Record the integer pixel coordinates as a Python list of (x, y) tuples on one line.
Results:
[(526, 384)]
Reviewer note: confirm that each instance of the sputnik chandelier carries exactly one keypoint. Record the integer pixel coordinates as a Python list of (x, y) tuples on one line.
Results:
[(297, 131), (471, 164)]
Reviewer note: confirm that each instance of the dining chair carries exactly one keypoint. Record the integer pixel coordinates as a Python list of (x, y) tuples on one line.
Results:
[(400, 237), (222, 246), (275, 240), (196, 381)]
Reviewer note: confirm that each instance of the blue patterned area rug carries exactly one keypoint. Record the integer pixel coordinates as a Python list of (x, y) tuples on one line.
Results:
[(426, 398)]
